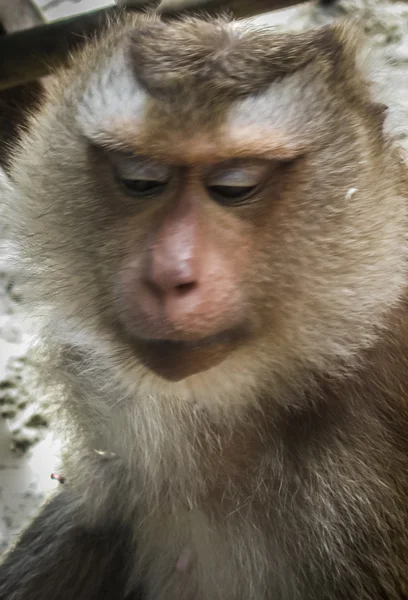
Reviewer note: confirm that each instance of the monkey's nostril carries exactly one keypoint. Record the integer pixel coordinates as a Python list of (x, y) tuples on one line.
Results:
[(171, 288), (184, 288)]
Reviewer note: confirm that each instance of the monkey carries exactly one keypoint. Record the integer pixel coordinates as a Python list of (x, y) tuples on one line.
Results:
[(212, 219)]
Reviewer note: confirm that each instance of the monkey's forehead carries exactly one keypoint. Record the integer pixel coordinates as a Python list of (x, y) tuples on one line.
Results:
[(277, 123), (232, 58), (175, 78), (147, 83)]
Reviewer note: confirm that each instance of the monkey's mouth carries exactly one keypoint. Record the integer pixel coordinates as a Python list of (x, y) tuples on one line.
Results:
[(175, 360)]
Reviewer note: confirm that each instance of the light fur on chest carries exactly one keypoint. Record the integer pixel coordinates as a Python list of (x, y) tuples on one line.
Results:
[(191, 556)]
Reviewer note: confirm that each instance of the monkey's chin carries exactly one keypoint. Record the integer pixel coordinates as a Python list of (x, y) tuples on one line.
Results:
[(175, 361)]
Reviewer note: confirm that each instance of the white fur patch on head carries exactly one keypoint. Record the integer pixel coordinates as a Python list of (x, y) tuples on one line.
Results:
[(112, 96), (290, 108)]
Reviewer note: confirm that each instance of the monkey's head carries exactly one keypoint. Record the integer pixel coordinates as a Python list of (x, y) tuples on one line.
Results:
[(201, 199)]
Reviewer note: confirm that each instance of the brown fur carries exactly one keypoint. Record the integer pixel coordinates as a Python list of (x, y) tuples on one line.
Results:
[(281, 472)]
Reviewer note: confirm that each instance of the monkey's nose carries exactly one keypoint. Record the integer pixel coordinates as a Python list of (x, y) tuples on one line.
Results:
[(170, 290), (165, 281), (173, 292), (173, 298)]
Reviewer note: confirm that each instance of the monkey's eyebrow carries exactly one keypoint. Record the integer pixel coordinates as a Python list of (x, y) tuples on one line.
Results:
[(259, 148), (178, 148), (262, 142)]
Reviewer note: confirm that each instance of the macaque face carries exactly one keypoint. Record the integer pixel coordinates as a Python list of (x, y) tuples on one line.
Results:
[(187, 245), (207, 229), (179, 297)]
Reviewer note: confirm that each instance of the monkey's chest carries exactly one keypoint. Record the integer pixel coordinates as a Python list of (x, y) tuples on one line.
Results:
[(190, 557)]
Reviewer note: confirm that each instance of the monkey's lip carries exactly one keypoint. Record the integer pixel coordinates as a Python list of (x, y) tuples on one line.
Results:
[(175, 359), (224, 337)]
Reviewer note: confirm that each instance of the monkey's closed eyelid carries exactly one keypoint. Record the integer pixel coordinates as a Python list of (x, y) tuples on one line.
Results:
[(130, 167), (232, 195), (141, 188), (238, 177)]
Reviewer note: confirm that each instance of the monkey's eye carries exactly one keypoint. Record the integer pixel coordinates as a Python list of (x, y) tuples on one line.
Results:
[(142, 188), (235, 185), (139, 177)]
